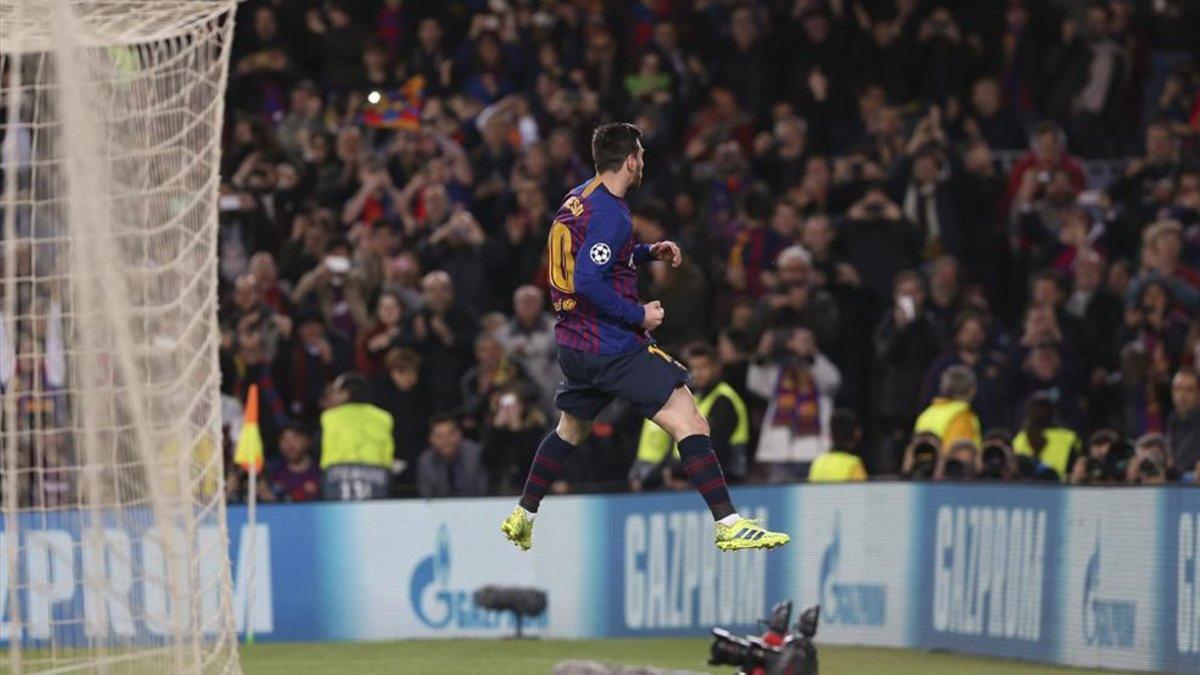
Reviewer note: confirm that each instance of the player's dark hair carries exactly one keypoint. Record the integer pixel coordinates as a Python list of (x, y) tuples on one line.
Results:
[(612, 143), (844, 429)]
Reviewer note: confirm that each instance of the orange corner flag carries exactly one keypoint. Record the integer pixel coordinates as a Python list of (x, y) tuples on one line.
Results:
[(249, 452)]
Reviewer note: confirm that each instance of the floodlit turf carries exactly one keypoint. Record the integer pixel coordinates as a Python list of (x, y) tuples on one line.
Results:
[(537, 657)]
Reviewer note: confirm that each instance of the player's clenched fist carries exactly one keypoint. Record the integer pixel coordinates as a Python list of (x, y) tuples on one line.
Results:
[(654, 314)]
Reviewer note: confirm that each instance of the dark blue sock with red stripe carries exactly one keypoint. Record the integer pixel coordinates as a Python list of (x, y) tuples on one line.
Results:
[(547, 464), (700, 464)]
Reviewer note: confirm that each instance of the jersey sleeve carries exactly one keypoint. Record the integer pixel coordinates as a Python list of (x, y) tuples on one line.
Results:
[(641, 254), (593, 263)]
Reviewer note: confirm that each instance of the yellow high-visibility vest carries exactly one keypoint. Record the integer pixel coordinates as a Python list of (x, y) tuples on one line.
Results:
[(654, 443), (356, 433), (940, 414), (1057, 451), (836, 467)]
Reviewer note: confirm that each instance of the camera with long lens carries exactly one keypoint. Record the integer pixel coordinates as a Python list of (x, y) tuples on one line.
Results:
[(778, 652), (925, 458), (994, 461)]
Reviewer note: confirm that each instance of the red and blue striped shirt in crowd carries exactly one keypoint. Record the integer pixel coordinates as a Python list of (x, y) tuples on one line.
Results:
[(593, 278)]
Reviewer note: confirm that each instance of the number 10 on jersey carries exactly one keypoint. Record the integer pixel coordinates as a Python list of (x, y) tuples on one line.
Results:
[(562, 259)]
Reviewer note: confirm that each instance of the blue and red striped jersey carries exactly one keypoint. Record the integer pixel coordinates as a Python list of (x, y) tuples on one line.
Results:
[(593, 276)]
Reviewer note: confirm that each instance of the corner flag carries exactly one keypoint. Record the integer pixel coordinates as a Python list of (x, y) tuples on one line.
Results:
[(249, 452)]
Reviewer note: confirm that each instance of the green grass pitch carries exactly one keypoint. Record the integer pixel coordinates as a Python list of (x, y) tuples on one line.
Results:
[(537, 657)]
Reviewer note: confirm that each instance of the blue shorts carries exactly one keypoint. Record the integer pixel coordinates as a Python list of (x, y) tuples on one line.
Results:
[(644, 377)]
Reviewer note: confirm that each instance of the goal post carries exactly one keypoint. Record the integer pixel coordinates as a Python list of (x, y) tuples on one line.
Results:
[(113, 545)]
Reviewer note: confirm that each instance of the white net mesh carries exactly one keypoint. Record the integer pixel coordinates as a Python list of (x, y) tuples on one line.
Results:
[(113, 549)]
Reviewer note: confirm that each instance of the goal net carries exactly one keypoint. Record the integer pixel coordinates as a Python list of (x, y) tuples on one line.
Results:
[(113, 549)]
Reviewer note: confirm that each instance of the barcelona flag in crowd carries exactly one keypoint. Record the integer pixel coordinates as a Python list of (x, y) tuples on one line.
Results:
[(399, 109)]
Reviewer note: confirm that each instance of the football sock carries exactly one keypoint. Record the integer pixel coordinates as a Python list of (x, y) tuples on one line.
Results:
[(529, 514), (547, 464), (701, 466), (730, 519)]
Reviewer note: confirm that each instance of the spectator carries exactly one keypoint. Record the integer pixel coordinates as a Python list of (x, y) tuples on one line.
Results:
[(907, 339), (445, 333), (924, 184), (452, 466), (492, 372), (293, 476), (399, 391), (799, 383), (302, 119), (1046, 156), (728, 422), (250, 312), (683, 288), (1162, 246), (1093, 304), (511, 432), (950, 416), (386, 332), (991, 120), (1089, 75), (796, 301), (528, 339), (841, 463), (317, 357), (878, 242), (970, 350), (357, 448), (1183, 425), (335, 289)]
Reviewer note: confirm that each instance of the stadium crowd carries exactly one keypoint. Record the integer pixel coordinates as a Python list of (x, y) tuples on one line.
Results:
[(979, 221), (955, 239)]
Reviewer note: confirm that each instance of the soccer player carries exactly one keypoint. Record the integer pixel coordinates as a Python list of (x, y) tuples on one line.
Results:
[(605, 348)]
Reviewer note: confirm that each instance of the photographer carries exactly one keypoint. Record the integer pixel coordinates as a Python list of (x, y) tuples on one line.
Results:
[(1104, 461), (958, 463), (799, 383), (1151, 464), (921, 456), (996, 461)]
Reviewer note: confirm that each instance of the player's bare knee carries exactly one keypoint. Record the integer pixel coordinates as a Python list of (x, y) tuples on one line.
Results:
[(573, 430)]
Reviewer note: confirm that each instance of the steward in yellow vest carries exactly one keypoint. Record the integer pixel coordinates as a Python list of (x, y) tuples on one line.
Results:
[(654, 443), (1057, 451), (1052, 446), (356, 433), (357, 447), (719, 403), (950, 417), (837, 466)]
